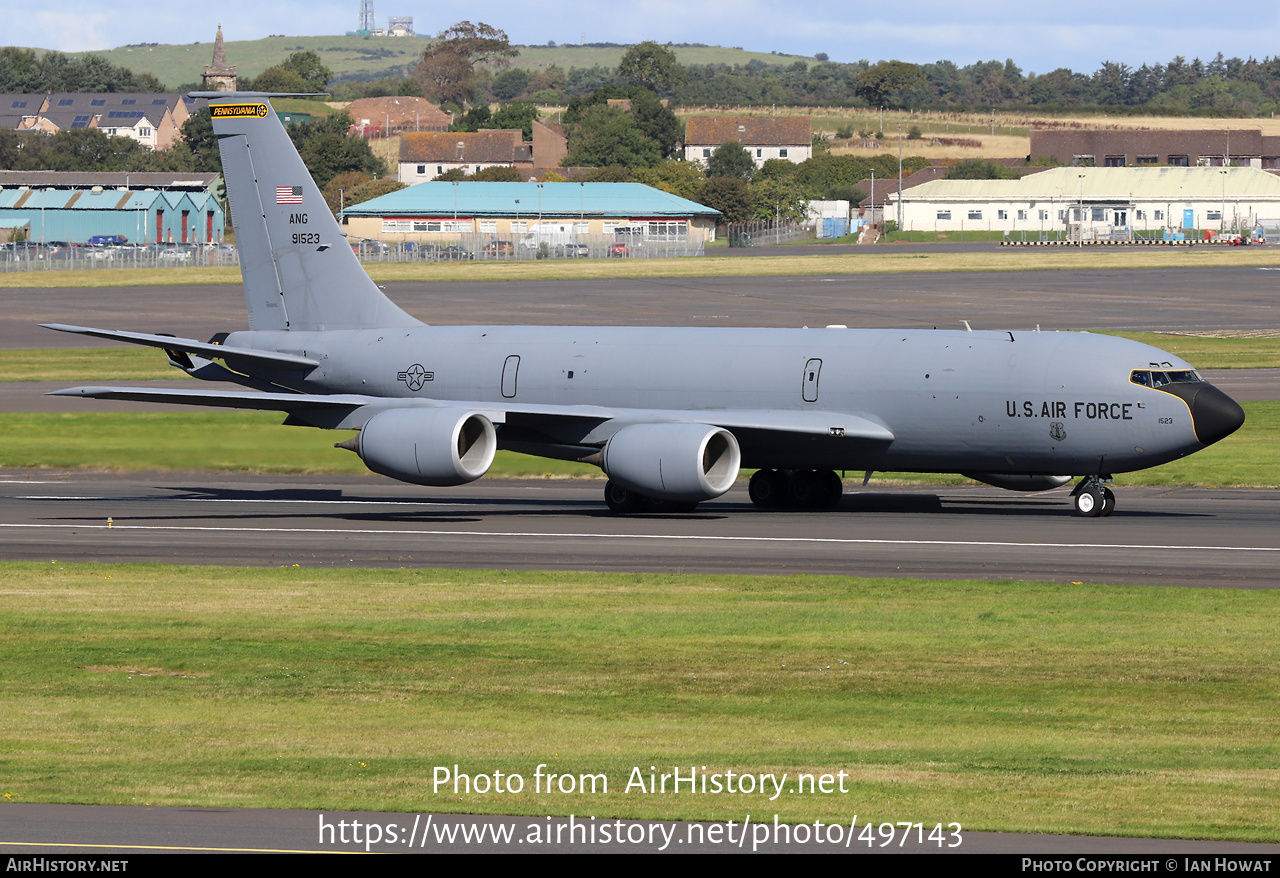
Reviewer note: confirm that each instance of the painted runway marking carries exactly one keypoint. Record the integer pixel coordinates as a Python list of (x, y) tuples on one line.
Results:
[(606, 536), (250, 500)]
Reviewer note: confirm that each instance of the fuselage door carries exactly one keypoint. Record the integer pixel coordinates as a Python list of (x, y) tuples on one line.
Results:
[(509, 369), (809, 388)]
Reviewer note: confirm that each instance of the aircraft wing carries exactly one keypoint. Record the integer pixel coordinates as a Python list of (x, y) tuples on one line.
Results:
[(272, 359), (351, 410)]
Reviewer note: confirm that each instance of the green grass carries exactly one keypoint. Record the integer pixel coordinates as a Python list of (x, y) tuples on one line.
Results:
[(255, 442), (376, 56), (1206, 352), (99, 365), (1004, 706), (970, 235), (229, 441)]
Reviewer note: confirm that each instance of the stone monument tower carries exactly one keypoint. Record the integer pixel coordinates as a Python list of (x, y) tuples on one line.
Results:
[(219, 76)]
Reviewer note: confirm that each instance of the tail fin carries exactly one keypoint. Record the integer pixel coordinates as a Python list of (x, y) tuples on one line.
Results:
[(299, 271)]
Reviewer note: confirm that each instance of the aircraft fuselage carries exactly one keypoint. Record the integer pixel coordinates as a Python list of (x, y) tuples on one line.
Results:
[(1020, 402)]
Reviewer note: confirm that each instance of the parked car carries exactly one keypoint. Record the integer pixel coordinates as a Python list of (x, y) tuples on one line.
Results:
[(572, 251), (498, 248), (445, 252), (617, 248)]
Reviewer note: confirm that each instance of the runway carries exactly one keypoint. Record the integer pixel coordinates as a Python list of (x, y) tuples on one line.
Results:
[(1158, 536), (1171, 300)]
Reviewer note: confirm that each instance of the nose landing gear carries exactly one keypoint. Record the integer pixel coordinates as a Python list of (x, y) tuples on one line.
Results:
[(1092, 498)]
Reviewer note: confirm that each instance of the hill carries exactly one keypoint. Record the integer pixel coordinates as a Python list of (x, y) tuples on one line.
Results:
[(372, 57)]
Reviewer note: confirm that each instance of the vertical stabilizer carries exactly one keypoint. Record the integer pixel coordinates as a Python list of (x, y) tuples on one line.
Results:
[(299, 271)]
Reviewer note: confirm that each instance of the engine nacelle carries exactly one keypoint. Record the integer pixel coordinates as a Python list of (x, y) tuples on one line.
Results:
[(1018, 482), (686, 462), (428, 446)]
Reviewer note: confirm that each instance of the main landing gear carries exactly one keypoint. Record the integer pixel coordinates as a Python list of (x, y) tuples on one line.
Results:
[(622, 501), (1093, 499), (803, 489)]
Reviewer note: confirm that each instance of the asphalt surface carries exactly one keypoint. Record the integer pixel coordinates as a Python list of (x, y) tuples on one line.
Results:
[(1171, 300), (117, 831), (1157, 536)]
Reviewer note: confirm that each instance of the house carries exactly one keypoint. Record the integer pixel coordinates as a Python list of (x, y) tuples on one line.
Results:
[(764, 137), (154, 120), (1126, 147), (425, 156)]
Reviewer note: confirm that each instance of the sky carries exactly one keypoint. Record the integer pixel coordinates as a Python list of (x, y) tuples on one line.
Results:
[(1038, 38)]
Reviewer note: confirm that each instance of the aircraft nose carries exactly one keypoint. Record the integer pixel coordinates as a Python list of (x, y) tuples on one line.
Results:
[(1214, 414)]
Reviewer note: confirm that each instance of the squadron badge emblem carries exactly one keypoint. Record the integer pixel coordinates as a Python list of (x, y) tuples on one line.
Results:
[(1058, 431)]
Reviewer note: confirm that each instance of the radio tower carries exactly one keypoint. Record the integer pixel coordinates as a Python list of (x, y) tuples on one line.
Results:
[(366, 15)]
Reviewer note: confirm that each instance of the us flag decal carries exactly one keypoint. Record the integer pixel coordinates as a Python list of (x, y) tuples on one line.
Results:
[(288, 195)]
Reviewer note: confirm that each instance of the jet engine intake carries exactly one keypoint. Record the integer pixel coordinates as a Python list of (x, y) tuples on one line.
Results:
[(687, 462), (428, 446)]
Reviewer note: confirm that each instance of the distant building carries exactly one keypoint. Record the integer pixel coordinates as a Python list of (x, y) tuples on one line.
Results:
[(219, 75), (154, 120), (1095, 200), (426, 156), (765, 137), (140, 216), (485, 212), (389, 116), (1127, 147)]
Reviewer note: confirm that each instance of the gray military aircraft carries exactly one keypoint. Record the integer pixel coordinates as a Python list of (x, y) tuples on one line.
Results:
[(669, 414)]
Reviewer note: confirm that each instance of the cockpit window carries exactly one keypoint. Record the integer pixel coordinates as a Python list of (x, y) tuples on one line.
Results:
[(1154, 378)]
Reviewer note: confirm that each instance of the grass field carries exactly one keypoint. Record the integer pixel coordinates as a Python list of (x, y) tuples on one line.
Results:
[(351, 56), (255, 442), (1003, 706)]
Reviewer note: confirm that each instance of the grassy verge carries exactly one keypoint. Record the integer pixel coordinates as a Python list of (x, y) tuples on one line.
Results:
[(99, 365), (1003, 706), (874, 260), (1214, 353), (255, 442)]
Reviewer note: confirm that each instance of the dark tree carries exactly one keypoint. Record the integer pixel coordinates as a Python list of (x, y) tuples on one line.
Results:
[(651, 66), (448, 66), (731, 160)]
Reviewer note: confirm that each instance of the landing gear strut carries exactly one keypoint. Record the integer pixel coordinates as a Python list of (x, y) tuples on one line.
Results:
[(803, 489), (1093, 499)]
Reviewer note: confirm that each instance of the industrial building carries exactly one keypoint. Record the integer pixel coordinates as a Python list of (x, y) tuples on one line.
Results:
[(1095, 201), (528, 214), (144, 208)]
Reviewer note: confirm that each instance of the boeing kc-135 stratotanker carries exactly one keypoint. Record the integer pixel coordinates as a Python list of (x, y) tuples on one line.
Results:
[(669, 414)]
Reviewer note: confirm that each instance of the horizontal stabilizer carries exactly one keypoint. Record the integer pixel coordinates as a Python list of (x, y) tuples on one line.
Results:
[(271, 359), (233, 399)]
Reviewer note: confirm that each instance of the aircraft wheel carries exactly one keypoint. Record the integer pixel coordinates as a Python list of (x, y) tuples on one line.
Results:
[(767, 488), (1108, 502), (619, 500), (807, 489), (1090, 501), (832, 489)]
